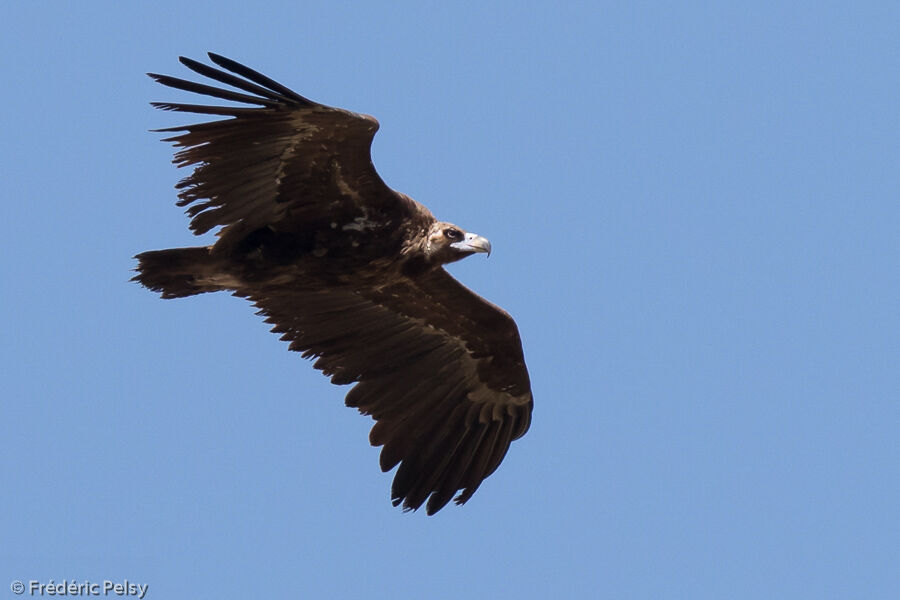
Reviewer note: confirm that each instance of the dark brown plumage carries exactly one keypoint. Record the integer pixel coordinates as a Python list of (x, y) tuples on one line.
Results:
[(350, 273)]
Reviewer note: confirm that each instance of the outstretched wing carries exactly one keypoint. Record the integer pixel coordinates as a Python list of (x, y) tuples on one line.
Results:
[(440, 369), (284, 162)]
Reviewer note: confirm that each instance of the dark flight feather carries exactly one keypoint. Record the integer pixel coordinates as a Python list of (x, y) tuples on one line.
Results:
[(199, 88), (349, 273), (236, 67)]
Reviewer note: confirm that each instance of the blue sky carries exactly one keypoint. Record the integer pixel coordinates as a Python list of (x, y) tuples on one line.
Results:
[(694, 214)]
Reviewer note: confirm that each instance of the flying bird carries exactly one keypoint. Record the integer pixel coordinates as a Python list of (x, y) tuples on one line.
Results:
[(350, 273)]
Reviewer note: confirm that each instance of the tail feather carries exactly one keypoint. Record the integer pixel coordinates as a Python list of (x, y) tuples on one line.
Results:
[(180, 272)]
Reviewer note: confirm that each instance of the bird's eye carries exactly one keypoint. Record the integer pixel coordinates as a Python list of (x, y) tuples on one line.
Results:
[(453, 234)]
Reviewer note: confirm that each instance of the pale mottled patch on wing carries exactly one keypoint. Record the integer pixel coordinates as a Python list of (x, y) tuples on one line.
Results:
[(342, 185)]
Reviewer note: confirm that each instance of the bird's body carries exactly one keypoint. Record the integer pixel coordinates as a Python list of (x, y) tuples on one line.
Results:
[(350, 273)]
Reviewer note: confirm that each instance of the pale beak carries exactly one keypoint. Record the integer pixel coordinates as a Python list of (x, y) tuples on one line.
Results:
[(473, 243)]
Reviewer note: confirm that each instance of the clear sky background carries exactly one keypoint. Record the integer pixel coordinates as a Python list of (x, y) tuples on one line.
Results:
[(695, 220)]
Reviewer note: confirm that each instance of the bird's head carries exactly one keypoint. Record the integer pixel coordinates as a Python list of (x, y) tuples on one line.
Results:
[(447, 243)]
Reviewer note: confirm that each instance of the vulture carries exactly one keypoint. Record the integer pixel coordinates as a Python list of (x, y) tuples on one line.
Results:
[(350, 273)]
